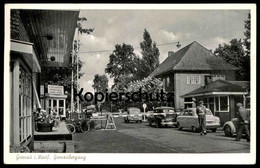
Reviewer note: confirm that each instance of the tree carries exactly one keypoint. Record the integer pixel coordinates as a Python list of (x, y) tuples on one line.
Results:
[(246, 42), (149, 85), (247, 35), (238, 53), (234, 54), (150, 53), (80, 28), (100, 83), (121, 62)]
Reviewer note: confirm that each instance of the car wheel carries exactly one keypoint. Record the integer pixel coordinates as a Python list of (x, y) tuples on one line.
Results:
[(179, 127), (215, 130), (140, 121), (158, 124), (150, 124), (194, 129), (227, 131)]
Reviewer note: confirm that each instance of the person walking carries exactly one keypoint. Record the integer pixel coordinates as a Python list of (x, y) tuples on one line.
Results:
[(243, 122), (201, 112)]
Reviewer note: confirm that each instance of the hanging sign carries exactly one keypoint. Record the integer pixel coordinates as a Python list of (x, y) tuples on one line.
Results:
[(56, 89)]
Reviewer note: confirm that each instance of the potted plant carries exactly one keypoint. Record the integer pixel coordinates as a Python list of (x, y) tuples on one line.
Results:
[(44, 121)]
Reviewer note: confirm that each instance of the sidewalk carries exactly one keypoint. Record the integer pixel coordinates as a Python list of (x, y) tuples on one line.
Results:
[(57, 141)]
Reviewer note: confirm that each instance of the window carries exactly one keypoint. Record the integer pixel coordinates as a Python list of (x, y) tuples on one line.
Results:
[(193, 79), (216, 77), (61, 107), (188, 102), (247, 102), (222, 104), (168, 81), (217, 104), (25, 105)]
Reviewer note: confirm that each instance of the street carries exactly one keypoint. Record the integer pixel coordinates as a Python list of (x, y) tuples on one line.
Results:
[(142, 138)]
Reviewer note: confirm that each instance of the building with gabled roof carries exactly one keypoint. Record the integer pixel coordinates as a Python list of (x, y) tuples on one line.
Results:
[(192, 57), (190, 69)]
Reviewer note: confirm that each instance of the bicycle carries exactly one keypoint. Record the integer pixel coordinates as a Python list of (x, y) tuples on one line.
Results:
[(79, 126)]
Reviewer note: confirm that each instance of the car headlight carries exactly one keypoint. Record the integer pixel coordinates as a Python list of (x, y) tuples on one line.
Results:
[(217, 120)]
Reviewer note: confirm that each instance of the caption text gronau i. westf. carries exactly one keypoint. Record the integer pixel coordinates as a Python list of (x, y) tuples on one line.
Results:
[(50, 157)]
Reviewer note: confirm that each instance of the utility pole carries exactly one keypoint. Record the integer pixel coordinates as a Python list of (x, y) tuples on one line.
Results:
[(72, 82), (78, 69)]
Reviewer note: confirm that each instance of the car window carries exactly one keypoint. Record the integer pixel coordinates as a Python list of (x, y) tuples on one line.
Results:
[(134, 111), (171, 111), (208, 112), (158, 111), (190, 113), (186, 113)]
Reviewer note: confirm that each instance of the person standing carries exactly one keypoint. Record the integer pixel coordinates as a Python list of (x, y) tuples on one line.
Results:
[(243, 122), (201, 112)]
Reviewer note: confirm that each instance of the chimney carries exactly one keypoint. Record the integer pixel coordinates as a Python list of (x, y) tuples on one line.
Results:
[(170, 53), (208, 79)]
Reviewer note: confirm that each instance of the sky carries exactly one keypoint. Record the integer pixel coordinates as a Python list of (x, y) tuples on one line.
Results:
[(208, 27)]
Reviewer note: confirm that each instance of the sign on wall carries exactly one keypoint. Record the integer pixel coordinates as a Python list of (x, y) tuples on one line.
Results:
[(55, 89)]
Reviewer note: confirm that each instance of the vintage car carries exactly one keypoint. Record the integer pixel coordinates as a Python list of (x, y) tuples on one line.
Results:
[(133, 114), (115, 114), (189, 119), (162, 116), (230, 127)]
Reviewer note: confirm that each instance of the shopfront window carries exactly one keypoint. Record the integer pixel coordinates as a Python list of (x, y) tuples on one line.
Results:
[(61, 107)]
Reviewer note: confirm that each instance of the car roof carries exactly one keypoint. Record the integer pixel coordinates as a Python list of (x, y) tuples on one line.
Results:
[(133, 108), (164, 108)]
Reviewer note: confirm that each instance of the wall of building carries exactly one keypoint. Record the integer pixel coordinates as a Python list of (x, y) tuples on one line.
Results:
[(181, 87), (18, 31)]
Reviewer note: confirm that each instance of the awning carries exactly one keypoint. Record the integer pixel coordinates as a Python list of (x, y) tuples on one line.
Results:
[(27, 52), (52, 33)]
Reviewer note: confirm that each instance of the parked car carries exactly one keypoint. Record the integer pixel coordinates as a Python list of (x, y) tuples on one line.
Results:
[(230, 127), (189, 119), (162, 116), (133, 114), (115, 114)]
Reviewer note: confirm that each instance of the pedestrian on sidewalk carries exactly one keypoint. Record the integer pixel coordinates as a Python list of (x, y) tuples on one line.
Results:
[(243, 122), (201, 112)]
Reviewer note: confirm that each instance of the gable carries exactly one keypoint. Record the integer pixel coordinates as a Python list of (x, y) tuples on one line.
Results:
[(192, 57), (200, 58)]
